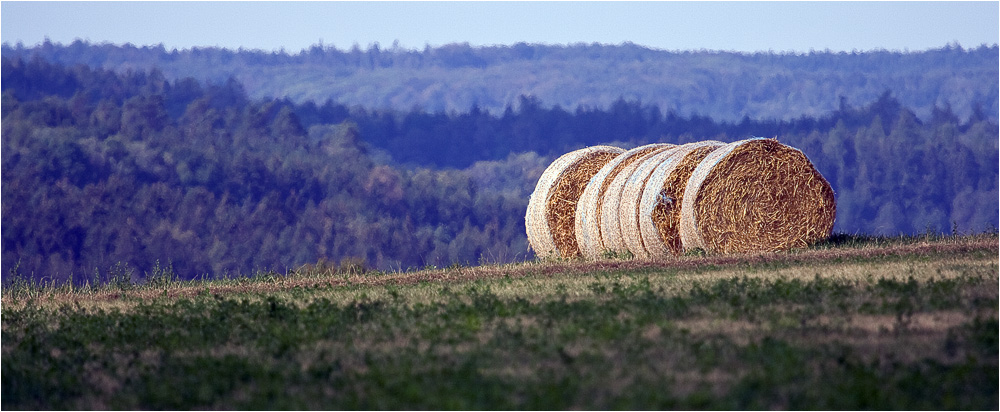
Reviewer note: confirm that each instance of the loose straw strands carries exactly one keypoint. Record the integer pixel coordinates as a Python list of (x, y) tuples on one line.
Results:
[(660, 203), (549, 220), (756, 195), (628, 205), (588, 216)]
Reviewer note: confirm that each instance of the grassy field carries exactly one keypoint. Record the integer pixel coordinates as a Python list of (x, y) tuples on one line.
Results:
[(906, 323)]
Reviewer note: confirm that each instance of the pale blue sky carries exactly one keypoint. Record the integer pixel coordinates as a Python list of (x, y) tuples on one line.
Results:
[(733, 26)]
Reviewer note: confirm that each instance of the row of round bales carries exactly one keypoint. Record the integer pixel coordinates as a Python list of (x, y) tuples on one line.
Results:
[(659, 200)]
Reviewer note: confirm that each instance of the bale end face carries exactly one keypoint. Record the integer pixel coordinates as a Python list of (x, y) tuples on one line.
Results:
[(588, 209), (611, 228), (660, 205), (759, 195), (553, 201), (563, 198), (628, 206)]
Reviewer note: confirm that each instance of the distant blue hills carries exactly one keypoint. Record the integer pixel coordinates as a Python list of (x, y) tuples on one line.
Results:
[(457, 77)]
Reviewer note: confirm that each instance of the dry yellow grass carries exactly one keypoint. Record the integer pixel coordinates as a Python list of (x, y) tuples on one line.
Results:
[(940, 260)]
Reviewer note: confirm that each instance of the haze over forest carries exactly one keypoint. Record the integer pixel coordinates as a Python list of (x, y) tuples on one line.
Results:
[(721, 85), (221, 161)]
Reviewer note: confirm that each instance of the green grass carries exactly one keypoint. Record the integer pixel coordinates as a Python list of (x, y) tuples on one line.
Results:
[(915, 329)]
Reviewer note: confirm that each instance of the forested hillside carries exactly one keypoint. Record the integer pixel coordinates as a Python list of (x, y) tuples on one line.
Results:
[(102, 168), (719, 85)]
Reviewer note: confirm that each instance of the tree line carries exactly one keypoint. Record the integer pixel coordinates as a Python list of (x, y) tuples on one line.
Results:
[(454, 77), (102, 168)]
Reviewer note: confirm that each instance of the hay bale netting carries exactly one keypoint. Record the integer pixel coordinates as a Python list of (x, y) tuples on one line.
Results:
[(756, 195), (588, 209), (610, 224), (628, 205), (660, 203), (549, 220)]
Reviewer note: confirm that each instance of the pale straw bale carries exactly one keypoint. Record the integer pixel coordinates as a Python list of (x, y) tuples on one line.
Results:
[(756, 195), (588, 216), (610, 224), (628, 212), (549, 219), (660, 202)]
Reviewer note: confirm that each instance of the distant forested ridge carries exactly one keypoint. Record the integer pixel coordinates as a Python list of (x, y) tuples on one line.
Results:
[(102, 167), (720, 85)]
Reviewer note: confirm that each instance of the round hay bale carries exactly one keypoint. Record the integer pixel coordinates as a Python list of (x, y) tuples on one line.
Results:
[(756, 195), (628, 205), (660, 203), (588, 216), (549, 220), (610, 224)]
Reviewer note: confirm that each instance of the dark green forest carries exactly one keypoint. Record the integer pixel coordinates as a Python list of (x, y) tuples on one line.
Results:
[(109, 169)]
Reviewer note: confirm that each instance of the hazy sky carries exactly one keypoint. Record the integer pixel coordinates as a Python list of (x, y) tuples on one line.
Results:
[(735, 26)]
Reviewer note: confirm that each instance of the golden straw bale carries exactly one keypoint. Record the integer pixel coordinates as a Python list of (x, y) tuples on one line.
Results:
[(628, 204), (756, 195), (549, 220), (588, 217), (611, 228), (660, 204)]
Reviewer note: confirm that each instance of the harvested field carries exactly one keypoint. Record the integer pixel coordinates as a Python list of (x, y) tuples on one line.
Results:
[(851, 324)]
